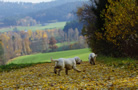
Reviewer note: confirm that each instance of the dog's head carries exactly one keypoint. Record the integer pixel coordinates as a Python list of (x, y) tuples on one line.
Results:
[(78, 60)]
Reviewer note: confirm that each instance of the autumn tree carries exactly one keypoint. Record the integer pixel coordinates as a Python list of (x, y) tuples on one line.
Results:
[(62, 35), (82, 42), (17, 45), (1, 53), (45, 42), (76, 34), (38, 34), (25, 43), (70, 35), (121, 26), (52, 43), (27, 21), (7, 48), (111, 23), (26, 46), (90, 15)]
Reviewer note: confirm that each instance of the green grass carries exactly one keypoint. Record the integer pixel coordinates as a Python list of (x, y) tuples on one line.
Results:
[(58, 25), (10, 67), (45, 57), (64, 43), (29, 60), (127, 63)]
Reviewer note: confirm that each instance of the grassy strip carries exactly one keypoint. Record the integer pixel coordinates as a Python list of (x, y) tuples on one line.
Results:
[(64, 43), (45, 57), (126, 63), (10, 67), (29, 60), (57, 25)]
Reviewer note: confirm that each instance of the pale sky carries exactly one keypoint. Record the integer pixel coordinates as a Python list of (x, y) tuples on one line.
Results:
[(33, 1)]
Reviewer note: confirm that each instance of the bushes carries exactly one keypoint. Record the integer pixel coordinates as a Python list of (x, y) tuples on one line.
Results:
[(111, 27), (121, 25)]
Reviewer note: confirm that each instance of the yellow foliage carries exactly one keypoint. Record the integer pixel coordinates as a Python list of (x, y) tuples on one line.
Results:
[(120, 20), (30, 33), (41, 76), (1, 43), (99, 35), (45, 35)]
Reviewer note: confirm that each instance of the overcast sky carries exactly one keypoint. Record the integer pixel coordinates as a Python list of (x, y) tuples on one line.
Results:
[(33, 1)]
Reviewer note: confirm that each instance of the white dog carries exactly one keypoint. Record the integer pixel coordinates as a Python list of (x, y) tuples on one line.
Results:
[(62, 63), (92, 58), (78, 60)]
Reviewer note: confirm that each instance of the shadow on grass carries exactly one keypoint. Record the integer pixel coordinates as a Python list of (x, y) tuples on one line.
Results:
[(12, 66)]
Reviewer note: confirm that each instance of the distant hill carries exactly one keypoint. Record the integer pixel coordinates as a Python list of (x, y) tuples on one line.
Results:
[(14, 8), (64, 12), (44, 12)]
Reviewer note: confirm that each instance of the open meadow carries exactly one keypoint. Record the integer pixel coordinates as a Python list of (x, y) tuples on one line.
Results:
[(57, 25), (41, 75), (45, 57)]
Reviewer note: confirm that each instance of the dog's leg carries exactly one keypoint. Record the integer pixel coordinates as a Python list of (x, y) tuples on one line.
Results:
[(91, 61), (55, 71), (59, 71), (74, 67), (94, 61), (66, 71)]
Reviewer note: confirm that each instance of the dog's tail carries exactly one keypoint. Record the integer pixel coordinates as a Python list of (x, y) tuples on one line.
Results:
[(54, 60)]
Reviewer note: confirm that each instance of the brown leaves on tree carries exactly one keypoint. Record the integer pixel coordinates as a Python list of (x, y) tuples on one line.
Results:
[(52, 43)]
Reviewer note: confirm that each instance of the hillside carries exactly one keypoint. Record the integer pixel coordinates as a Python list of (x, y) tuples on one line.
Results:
[(17, 9), (41, 76), (64, 12), (45, 57), (45, 12)]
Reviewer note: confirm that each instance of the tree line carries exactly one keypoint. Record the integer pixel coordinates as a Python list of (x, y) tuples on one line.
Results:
[(73, 24), (13, 44), (111, 27)]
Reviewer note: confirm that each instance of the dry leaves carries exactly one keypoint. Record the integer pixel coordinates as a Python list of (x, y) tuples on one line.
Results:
[(97, 76)]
